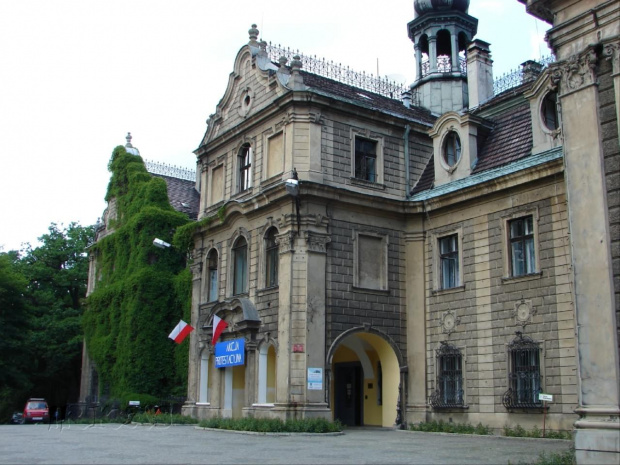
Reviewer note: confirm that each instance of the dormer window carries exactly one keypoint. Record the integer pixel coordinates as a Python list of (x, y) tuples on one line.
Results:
[(451, 149), (549, 111)]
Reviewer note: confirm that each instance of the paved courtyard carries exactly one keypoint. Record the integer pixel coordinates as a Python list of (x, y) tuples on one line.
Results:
[(114, 444)]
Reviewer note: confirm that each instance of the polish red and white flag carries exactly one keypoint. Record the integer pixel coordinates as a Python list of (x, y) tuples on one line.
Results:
[(180, 332), (219, 325)]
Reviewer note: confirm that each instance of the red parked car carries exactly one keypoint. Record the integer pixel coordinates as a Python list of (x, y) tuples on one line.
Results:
[(36, 410)]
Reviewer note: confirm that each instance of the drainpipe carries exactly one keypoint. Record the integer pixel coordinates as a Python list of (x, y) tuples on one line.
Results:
[(407, 174)]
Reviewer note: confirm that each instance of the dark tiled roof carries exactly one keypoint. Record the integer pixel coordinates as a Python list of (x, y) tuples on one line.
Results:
[(510, 139), (366, 98), (427, 179), (183, 195)]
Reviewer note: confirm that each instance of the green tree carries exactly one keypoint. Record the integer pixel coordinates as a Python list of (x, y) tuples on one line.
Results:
[(14, 324), (141, 291), (57, 276)]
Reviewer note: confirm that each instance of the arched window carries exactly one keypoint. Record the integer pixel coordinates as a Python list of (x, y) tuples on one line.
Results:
[(205, 379), (267, 374), (212, 276), (244, 163), (272, 257), (240, 264)]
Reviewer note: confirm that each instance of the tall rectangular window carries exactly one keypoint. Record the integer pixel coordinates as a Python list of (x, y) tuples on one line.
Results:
[(522, 251), (366, 159), (449, 261), (272, 257), (212, 276), (240, 263), (449, 391), (245, 167), (524, 376)]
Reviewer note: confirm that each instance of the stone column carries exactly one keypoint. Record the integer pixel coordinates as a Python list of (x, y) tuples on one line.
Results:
[(597, 438), (251, 380), (432, 54)]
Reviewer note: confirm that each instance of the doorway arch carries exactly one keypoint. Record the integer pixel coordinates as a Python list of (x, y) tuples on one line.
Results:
[(365, 367)]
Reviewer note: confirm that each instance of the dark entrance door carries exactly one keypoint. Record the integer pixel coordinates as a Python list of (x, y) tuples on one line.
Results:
[(348, 393)]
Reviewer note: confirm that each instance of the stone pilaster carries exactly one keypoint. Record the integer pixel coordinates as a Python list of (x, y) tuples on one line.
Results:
[(597, 438), (194, 349)]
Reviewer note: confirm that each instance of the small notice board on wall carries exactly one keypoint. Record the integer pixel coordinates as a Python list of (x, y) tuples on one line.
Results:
[(315, 378)]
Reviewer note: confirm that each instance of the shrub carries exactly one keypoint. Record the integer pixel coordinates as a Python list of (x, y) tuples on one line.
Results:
[(519, 432), (443, 427), (273, 425)]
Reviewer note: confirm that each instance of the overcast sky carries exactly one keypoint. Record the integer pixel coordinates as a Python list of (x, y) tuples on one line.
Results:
[(77, 75)]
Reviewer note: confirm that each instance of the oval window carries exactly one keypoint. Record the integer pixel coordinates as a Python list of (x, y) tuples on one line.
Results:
[(452, 149), (549, 111)]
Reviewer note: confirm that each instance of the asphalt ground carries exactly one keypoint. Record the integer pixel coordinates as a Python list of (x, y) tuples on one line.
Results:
[(172, 444)]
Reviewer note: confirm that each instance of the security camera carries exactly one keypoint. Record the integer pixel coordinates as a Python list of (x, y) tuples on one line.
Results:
[(292, 187), (161, 244)]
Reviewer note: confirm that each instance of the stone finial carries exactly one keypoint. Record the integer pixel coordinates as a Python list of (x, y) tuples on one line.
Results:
[(128, 138), (296, 64), (282, 61), (253, 32)]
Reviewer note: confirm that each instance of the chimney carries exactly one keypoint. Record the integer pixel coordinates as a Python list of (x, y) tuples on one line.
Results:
[(530, 70), (479, 72)]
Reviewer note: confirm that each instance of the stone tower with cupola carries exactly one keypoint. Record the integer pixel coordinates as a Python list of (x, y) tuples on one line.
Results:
[(441, 33)]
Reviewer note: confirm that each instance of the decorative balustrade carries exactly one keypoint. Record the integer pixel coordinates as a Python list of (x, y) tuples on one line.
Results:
[(520, 76), (164, 169), (337, 72)]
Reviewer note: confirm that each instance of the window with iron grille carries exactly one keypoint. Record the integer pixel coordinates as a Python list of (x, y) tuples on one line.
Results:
[(240, 263), (366, 159), (524, 377), (449, 261), (212, 276), (449, 383), (245, 167), (272, 257), (522, 250)]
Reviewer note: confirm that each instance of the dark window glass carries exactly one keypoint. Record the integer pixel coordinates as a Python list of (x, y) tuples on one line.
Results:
[(271, 259), (245, 165), (212, 276), (522, 253), (366, 159), (452, 149), (549, 110), (449, 391), (449, 261), (240, 262)]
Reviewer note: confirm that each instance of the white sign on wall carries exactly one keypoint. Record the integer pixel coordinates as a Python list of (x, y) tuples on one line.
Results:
[(315, 379)]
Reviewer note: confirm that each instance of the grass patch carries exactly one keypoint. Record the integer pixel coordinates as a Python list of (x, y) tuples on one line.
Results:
[(458, 428), (519, 432), (274, 425), (164, 419)]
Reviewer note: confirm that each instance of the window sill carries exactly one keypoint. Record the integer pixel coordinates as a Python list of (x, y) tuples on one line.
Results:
[(525, 277), (367, 290), (263, 405), (450, 290), (203, 404), (267, 290), (448, 408), (369, 184)]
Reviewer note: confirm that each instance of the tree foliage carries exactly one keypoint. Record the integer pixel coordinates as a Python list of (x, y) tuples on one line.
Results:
[(41, 295), (141, 291)]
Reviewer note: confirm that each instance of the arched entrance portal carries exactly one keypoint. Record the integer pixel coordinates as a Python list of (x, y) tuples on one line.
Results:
[(365, 380)]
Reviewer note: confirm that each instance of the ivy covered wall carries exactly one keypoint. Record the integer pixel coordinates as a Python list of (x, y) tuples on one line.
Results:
[(142, 291)]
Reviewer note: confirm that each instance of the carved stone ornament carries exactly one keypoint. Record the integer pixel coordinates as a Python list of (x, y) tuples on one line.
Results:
[(576, 72), (317, 242), (612, 52), (449, 322), (286, 242), (523, 312), (196, 269)]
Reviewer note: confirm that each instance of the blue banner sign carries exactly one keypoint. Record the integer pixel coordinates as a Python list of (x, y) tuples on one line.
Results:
[(230, 353)]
